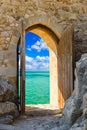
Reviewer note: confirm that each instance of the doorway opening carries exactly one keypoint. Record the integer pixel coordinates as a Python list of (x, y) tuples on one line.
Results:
[(60, 63), (37, 72)]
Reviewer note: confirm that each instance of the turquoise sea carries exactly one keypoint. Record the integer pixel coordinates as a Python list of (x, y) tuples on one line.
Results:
[(37, 87)]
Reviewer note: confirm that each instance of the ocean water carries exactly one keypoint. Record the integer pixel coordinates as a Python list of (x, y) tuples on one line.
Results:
[(37, 88)]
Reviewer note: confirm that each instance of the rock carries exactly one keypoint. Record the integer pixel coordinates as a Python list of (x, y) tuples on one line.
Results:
[(73, 17), (5, 34), (82, 18), (81, 77), (79, 124), (85, 101), (85, 112), (8, 108), (78, 128), (85, 125), (73, 107), (26, 16), (6, 119), (72, 110), (63, 127), (8, 92), (7, 127)]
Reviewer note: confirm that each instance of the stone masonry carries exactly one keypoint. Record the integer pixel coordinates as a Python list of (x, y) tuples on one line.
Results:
[(64, 12)]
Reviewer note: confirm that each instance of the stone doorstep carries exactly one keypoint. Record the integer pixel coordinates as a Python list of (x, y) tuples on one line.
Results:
[(33, 111)]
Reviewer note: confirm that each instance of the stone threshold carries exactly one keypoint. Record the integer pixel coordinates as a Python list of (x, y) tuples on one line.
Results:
[(41, 110)]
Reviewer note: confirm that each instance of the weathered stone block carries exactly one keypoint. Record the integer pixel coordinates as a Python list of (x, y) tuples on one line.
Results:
[(8, 71), (8, 92), (6, 119), (8, 108)]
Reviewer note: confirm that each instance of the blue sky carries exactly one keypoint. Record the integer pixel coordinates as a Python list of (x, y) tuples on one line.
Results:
[(37, 54)]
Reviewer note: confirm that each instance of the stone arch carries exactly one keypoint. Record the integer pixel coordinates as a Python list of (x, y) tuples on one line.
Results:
[(58, 37), (45, 20)]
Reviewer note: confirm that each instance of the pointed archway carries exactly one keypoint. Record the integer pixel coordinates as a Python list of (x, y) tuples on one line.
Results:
[(61, 65)]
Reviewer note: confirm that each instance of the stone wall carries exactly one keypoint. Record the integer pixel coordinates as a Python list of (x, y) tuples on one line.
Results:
[(64, 12)]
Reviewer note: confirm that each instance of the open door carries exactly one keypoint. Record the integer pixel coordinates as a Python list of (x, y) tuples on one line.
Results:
[(65, 66), (22, 71)]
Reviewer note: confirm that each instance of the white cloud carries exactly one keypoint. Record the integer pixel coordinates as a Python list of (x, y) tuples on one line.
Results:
[(37, 64), (29, 59), (39, 45), (44, 58)]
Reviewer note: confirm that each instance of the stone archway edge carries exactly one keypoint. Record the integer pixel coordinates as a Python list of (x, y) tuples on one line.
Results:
[(64, 39), (45, 20), (35, 20)]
